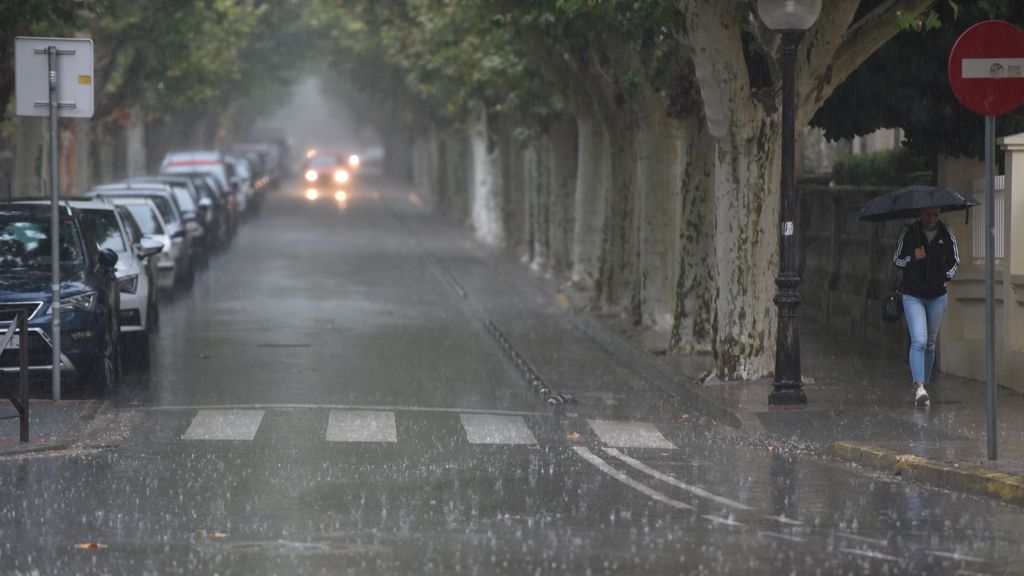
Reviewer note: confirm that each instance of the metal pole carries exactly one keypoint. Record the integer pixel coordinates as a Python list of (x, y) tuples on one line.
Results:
[(23, 376), (51, 54), (990, 283), (787, 388)]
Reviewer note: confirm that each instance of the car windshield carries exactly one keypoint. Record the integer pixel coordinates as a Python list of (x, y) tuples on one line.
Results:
[(100, 227), (146, 218), (323, 162), (25, 243), (184, 198)]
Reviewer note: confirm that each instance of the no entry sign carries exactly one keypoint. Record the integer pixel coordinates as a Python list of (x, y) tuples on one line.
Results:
[(986, 68)]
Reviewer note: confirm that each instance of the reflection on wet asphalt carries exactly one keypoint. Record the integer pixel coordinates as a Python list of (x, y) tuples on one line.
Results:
[(325, 403)]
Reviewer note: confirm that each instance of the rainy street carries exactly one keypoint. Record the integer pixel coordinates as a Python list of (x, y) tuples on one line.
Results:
[(333, 399)]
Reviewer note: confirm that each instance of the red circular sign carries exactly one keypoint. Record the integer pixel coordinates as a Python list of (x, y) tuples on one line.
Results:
[(986, 68)]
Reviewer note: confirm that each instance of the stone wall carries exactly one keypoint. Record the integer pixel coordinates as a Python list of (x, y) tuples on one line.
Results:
[(846, 266)]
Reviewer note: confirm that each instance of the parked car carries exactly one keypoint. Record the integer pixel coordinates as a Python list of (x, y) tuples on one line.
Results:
[(181, 230), (110, 227), (243, 182), (214, 163), (193, 206), (152, 226), (89, 300)]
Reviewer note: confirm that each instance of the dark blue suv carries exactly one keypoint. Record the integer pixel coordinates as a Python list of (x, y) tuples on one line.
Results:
[(88, 292)]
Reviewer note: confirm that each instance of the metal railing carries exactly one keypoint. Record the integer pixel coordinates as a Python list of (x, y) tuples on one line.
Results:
[(19, 329)]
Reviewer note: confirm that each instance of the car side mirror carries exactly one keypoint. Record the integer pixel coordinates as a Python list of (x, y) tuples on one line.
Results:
[(205, 203), (108, 258), (148, 247)]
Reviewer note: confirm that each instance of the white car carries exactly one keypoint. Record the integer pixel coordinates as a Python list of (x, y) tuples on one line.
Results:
[(152, 225), (110, 227)]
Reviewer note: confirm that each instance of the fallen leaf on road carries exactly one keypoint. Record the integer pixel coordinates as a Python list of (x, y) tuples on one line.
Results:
[(218, 535), (574, 436), (204, 356), (90, 546), (684, 417)]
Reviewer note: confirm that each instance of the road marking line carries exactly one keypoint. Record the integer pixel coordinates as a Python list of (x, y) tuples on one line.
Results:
[(361, 426), (782, 519), (618, 434), (674, 482), (224, 425), (730, 521), (957, 556), (862, 539), (621, 477), (494, 429), (782, 536), (548, 414), (871, 554)]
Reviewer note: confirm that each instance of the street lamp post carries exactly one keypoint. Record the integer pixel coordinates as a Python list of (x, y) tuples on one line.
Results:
[(791, 18)]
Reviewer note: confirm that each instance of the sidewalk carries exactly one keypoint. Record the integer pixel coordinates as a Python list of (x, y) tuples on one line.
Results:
[(860, 410), (860, 400), (52, 425)]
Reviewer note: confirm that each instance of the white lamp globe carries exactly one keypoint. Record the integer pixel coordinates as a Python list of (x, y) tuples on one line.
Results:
[(788, 14)]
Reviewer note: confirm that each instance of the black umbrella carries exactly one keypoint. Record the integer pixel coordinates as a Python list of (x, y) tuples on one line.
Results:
[(908, 202)]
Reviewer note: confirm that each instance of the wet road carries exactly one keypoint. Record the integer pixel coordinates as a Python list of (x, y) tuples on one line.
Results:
[(327, 400)]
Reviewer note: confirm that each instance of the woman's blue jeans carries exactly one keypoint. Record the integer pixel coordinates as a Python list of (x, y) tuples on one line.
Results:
[(923, 318)]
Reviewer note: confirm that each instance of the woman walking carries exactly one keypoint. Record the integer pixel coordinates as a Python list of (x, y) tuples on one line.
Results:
[(928, 256)]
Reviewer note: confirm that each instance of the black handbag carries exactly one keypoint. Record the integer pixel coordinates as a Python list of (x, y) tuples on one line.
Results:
[(892, 307)]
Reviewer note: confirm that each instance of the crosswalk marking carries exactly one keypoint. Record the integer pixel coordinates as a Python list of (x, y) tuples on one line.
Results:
[(494, 429), (629, 434), (361, 426), (224, 425)]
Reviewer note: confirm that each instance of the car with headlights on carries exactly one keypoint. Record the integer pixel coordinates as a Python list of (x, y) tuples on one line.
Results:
[(326, 171), (89, 299)]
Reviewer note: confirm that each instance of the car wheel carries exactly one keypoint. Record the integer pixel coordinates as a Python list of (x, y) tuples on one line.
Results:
[(102, 376)]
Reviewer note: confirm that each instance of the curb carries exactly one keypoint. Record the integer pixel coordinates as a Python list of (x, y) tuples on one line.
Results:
[(1006, 488), (33, 448), (70, 436)]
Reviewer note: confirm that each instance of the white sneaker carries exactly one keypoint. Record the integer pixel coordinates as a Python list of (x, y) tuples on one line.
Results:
[(921, 397)]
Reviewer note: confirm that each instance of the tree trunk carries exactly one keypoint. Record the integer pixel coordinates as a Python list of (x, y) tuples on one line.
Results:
[(485, 196), (695, 276), (537, 186), (659, 183), (135, 144), (427, 165), (617, 285), (515, 217), (562, 178), (593, 185), (746, 242), (31, 157)]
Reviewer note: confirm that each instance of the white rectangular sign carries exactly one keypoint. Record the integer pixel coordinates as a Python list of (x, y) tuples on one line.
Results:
[(992, 68), (75, 79)]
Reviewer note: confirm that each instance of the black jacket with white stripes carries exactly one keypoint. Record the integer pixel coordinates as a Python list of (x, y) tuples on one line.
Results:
[(927, 278)]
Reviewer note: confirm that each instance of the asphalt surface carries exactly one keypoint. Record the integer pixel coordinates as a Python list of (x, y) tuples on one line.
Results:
[(327, 400)]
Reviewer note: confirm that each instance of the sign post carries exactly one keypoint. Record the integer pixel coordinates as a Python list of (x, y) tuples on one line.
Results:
[(61, 69), (986, 72)]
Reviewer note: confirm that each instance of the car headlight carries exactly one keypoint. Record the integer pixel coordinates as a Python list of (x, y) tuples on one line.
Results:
[(312, 194), (341, 176), (354, 161), (83, 302), (311, 175), (129, 284)]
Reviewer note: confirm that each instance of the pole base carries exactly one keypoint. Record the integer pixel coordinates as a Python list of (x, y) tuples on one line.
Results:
[(787, 397)]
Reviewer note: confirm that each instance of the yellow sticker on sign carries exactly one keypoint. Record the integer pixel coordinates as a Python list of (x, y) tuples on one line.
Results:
[(84, 79)]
